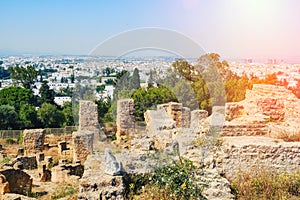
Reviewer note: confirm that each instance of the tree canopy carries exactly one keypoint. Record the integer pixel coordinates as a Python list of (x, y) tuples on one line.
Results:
[(25, 75)]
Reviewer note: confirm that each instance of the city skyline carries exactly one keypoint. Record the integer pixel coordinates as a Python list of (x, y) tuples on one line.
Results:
[(234, 29)]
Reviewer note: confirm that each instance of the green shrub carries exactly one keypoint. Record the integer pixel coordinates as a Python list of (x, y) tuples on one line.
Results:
[(10, 141), (178, 179), (5, 160), (174, 181)]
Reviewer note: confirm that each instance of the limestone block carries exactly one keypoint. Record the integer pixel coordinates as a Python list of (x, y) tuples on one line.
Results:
[(112, 166), (157, 120), (196, 117)]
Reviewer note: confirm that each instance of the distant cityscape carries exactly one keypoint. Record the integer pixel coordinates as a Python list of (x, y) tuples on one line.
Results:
[(87, 70)]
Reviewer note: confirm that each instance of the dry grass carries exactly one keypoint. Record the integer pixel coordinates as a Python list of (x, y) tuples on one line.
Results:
[(288, 137), (265, 184)]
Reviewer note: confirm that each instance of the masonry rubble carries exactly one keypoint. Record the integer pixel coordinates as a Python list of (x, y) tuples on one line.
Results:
[(96, 184)]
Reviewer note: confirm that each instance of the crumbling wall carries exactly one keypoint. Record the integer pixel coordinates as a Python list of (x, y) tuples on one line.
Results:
[(33, 141), (181, 115), (18, 181), (233, 110), (28, 162), (125, 118), (82, 145), (250, 153), (196, 117)]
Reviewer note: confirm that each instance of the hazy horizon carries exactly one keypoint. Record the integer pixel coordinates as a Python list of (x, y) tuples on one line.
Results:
[(236, 29)]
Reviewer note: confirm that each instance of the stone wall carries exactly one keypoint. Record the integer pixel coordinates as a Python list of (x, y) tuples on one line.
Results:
[(82, 145), (157, 120), (18, 181), (33, 141), (196, 117), (233, 110), (125, 118), (245, 130), (181, 115), (250, 153)]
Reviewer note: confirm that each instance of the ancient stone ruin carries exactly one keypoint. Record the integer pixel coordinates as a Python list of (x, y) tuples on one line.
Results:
[(33, 141), (263, 104), (82, 145), (88, 116), (18, 181), (87, 133), (125, 118), (98, 182)]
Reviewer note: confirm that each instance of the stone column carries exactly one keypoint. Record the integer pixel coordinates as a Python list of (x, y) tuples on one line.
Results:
[(125, 118), (88, 116)]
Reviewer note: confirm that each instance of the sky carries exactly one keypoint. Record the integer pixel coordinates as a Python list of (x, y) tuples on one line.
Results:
[(232, 28)]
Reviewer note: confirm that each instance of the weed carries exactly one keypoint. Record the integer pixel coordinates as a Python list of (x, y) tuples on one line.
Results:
[(5, 160)]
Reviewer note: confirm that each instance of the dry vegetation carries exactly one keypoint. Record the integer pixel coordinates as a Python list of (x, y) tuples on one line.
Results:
[(287, 137), (265, 185)]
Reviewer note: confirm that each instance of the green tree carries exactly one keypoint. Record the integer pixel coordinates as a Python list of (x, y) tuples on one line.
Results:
[(4, 74), (185, 69), (104, 106), (68, 113), (46, 94), (100, 88), (25, 75), (16, 96), (135, 81), (50, 116), (28, 117), (185, 94), (147, 99), (8, 117)]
